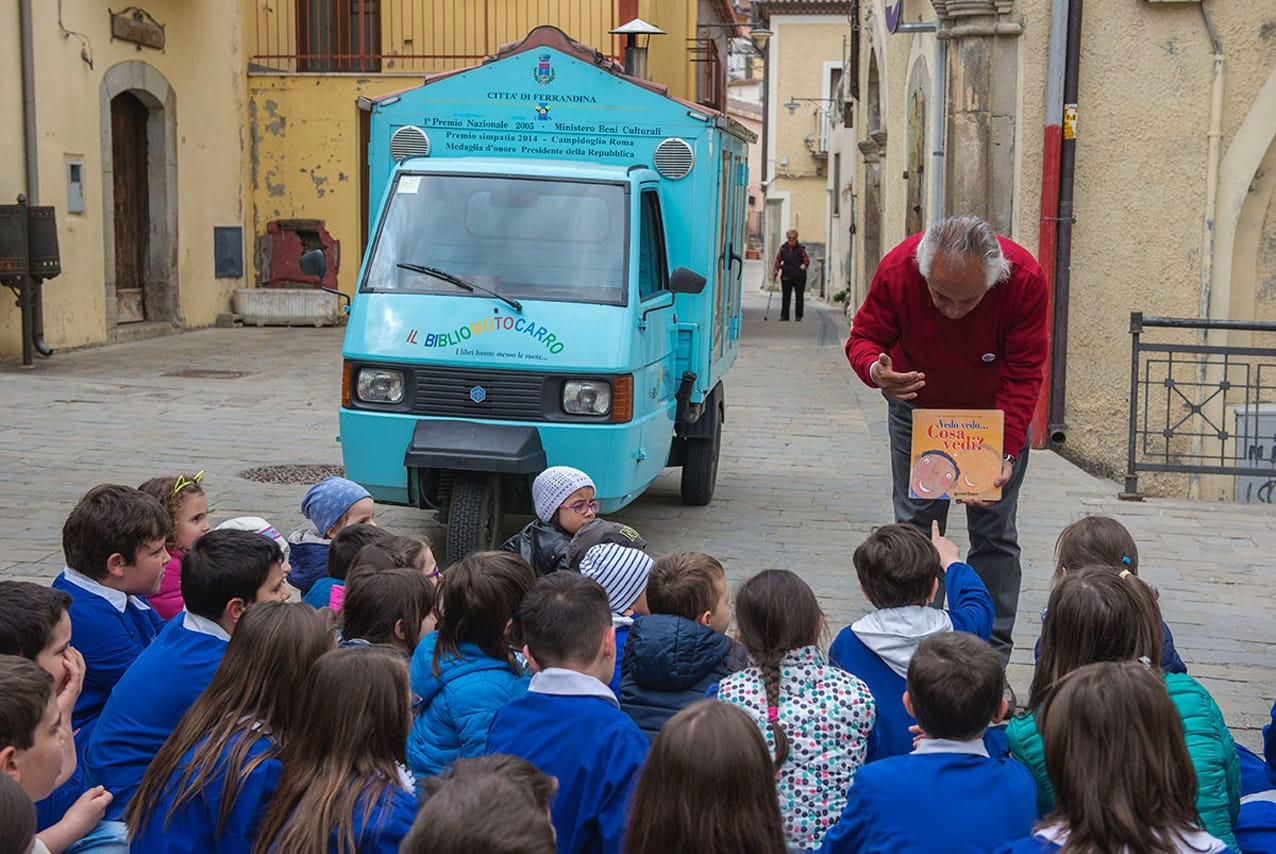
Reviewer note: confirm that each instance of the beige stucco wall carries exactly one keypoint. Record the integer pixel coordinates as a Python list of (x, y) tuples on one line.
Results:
[(1140, 189), (202, 64), (799, 55)]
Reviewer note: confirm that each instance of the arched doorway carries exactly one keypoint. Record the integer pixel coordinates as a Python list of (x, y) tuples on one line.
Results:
[(873, 149), (132, 209), (915, 150), (139, 197)]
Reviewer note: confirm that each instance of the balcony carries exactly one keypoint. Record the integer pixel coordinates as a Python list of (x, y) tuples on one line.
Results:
[(411, 36)]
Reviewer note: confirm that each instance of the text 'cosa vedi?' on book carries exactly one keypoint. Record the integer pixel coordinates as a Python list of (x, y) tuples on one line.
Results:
[(956, 454)]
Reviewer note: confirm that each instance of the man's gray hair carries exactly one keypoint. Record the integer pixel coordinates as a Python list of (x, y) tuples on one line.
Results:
[(964, 235)]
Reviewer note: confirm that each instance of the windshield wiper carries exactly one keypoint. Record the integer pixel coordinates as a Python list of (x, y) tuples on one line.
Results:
[(460, 283)]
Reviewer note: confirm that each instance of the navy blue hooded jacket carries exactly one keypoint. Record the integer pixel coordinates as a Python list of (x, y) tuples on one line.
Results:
[(669, 663)]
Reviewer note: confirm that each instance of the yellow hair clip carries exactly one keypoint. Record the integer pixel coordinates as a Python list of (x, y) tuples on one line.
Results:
[(183, 481)]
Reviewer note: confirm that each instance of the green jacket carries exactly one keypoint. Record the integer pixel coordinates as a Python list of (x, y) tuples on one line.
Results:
[(1209, 744)]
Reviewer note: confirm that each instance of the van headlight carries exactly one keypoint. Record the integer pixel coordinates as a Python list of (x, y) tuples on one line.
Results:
[(379, 385), (587, 397)]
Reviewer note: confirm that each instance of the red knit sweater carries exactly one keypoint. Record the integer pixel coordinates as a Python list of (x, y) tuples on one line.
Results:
[(990, 359)]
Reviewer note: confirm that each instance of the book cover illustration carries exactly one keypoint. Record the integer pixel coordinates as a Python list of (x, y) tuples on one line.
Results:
[(956, 454)]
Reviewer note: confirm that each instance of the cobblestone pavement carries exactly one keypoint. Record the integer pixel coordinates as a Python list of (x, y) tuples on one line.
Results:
[(804, 475)]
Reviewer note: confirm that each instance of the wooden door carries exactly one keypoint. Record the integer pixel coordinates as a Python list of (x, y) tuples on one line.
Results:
[(132, 206)]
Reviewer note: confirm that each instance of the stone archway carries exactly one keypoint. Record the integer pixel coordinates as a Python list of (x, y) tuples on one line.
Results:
[(136, 88), (873, 150), (915, 136)]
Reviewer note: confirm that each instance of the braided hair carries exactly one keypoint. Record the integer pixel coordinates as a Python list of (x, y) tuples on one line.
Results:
[(776, 612)]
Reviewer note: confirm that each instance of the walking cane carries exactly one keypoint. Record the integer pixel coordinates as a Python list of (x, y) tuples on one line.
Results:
[(769, 295)]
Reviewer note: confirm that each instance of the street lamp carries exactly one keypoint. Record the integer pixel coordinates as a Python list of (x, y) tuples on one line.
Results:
[(635, 56), (793, 103)]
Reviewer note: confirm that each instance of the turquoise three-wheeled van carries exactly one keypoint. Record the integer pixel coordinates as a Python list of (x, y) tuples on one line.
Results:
[(552, 278)]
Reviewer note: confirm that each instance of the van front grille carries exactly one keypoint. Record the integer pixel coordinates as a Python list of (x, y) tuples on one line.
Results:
[(480, 393)]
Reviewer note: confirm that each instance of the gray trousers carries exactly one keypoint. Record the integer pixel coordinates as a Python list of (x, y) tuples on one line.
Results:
[(994, 539)]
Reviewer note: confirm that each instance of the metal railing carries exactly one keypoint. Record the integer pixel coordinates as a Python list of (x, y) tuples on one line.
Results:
[(1200, 408), (712, 85), (414, 36)]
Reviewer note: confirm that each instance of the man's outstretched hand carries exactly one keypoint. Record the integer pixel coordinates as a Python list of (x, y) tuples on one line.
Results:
[(895, 385)]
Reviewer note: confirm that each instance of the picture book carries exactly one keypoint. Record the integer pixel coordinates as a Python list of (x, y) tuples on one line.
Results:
[(956, 454)]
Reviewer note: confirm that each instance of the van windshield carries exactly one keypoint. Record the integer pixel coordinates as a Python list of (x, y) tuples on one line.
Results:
[(520, 237)]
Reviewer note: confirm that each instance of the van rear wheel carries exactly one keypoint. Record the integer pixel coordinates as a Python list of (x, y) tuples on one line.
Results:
[(475, 514), (700, 468)]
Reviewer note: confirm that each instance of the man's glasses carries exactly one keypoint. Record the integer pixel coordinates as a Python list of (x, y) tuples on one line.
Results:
[(580, 507)]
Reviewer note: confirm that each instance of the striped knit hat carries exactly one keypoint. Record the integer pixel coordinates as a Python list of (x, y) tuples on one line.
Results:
[(620, 570)]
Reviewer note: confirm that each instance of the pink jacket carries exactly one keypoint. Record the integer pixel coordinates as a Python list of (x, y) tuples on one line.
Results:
[(168, 601)]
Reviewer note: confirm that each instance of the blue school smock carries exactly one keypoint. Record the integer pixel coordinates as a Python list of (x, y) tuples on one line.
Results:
[(148, 703), (971, 612), (381, 829), (569, 726), (193, 827), (110, 629), (945, 796)]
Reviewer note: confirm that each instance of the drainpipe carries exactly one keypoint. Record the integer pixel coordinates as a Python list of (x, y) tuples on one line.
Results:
[(1055, 425), (35, 335), (938, 111), (1049, 226), (1211, 176)]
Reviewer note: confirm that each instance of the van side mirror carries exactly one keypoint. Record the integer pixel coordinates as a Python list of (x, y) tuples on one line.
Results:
[(313, 263), (684, 281)]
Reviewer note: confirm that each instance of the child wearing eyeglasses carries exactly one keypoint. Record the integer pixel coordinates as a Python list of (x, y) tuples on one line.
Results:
[(184, 499), (564, 500)]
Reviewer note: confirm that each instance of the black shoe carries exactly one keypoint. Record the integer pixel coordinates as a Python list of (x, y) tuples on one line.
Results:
[(799, 320), (784, 320)]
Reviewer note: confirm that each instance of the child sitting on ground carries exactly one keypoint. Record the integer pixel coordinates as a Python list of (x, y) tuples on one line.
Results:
[(974, 803), (816, 717), (455, 817), (35, 624), (343, 786), (35, 749), (387, 607), (899, 571), (114, 547), (1126, 787), (258, 525), (209, 785), (183, 497), (1096, 615), (708, 786), (1103, 541), (345, 545), (596, 532), (465, 670), (564, 501), (569, 724), (674, 655), (223, 574), (17, 820), (330, 505), (623, 573)]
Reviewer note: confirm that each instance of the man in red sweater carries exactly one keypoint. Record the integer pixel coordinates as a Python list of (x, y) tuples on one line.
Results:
[(956, 318)]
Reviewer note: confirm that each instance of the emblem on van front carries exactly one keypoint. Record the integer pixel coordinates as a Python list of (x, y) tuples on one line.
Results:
[(478, 394), (544, 73)]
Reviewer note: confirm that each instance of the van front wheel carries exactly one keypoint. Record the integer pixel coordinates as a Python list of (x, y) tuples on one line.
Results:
[(475, 514), (700, 468)]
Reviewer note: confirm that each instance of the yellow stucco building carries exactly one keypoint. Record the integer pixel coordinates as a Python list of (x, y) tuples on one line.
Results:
[(169, 137), (136, 143)]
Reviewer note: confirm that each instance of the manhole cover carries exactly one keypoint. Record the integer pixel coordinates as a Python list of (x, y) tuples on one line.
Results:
[(292, 474), (207, 374)]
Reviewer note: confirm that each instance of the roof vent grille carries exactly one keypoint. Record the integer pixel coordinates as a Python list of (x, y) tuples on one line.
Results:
[(409, 141), (674, 158)]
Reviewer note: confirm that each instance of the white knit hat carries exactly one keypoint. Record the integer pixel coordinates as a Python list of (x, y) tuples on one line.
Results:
[(257, 525), (620, 570), (552, 486)]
